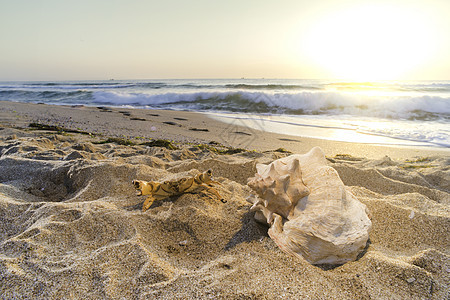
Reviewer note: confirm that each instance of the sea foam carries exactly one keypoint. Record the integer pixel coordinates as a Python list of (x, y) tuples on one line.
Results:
[(303, 103)]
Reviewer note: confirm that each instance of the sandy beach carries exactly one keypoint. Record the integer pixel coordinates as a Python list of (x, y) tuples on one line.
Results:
[(72, 224)]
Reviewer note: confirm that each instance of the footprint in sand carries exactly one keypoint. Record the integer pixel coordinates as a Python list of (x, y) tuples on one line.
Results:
[(125, 113), (243, 133), (289, 140), (172, 123), (104, 109), (199, 129)]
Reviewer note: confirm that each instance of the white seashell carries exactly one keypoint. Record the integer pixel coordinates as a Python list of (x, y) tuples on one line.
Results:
[(310, 212)]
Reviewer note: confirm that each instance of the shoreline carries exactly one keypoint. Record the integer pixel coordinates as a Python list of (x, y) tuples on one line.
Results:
[(191, 127), (304, 127)]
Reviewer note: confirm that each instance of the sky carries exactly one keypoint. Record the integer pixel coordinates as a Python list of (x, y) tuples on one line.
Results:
[(137, 39)]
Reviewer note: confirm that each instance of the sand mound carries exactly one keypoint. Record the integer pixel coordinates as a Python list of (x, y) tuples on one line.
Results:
[(72, 227)]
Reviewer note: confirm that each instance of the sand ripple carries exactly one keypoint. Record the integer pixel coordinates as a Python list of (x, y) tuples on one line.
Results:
[(72, 227)]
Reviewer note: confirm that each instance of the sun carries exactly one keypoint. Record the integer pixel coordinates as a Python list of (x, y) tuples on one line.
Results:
[(371, 42)]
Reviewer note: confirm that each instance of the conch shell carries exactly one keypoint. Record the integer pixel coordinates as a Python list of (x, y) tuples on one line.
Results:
[(310, 212)]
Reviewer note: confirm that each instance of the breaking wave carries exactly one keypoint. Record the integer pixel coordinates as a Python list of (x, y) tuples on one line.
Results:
[(304, 103)]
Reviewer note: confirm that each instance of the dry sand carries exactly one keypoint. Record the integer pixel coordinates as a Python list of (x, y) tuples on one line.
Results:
[(72, 226)]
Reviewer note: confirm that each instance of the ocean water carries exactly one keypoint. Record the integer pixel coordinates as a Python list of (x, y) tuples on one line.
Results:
[(397, 113)]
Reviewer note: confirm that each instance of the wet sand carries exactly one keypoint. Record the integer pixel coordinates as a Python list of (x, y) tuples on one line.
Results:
[(182, 126), (72, 224)]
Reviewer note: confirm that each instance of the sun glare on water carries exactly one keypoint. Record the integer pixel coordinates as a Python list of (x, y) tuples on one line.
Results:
[(375, 42)]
